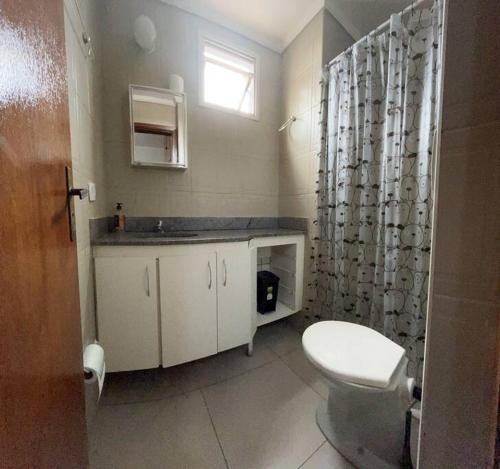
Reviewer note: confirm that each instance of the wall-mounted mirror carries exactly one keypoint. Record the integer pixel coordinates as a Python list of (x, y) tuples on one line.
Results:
[(158, 127)]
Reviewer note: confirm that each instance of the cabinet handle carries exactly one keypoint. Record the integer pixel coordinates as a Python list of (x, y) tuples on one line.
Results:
[(225, 272), (209, 276), (148, 291)]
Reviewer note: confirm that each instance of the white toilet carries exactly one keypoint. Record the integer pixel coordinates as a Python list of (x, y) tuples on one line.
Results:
[(364, 418)]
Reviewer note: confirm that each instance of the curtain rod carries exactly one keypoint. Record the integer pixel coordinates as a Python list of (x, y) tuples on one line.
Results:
[(384, 25)]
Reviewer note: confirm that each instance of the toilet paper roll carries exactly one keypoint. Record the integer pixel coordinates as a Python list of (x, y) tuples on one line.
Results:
[(93, 363), (176, 83)]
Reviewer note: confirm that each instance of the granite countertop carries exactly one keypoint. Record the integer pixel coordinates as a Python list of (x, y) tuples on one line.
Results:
[(130, 238)]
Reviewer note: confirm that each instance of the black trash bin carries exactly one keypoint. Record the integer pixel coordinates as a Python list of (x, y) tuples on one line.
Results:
[(267, 291)]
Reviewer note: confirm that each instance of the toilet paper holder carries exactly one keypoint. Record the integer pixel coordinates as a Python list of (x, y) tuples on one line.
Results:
[(94, 370)]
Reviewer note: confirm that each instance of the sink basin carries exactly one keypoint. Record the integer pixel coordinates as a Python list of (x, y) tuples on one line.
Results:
[(166, 234)]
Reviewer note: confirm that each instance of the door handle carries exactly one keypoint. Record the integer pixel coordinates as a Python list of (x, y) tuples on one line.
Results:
[(81, 193), (72, 192), (224, 283), (148, 291), (209, 276)]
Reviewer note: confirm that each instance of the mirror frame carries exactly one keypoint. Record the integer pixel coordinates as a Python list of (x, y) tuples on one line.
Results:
[(182, 147)]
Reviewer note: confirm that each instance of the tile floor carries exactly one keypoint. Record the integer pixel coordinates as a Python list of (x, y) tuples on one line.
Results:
[(225, 411)]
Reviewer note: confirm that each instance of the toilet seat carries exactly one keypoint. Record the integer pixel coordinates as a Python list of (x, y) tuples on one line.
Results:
[(352, 353)]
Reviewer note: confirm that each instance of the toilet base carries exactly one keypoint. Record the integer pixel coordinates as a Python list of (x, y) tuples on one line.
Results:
[(345, 443), (367, 425)]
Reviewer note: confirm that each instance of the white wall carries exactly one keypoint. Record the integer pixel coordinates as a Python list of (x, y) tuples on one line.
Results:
[(85, 97), (319, 42), (459, 414), (233, 161)]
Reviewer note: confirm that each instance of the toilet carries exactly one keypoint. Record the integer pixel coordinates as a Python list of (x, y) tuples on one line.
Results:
[(369, 391)]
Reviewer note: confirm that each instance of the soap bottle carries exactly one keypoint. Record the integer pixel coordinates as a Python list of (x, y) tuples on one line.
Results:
[(119, 219)]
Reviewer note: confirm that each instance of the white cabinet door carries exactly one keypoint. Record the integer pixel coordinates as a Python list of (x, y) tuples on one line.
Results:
[(127, 312), (188, 299), (233, 288)]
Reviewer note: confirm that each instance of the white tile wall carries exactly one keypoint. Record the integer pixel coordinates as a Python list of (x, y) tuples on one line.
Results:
[(320, 41), (233, 161), (85, 102), (462, 361)]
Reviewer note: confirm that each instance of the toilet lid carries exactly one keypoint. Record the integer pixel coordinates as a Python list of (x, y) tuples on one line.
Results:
[(352, 353)]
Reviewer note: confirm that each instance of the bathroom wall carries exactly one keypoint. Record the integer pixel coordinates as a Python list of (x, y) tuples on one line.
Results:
[(319, 42), (461, 363), (85, 98), (233, 161), (301, 73)]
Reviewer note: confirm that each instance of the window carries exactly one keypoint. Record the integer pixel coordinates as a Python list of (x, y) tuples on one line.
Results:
[(228, 79)]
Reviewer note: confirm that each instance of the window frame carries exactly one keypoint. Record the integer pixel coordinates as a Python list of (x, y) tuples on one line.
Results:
[(204, 39)]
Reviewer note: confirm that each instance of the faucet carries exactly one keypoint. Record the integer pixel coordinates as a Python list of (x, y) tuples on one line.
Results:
[(159, 226)]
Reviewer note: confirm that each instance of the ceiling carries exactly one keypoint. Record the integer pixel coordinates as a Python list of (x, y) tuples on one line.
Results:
[(359, 17), (275, 23)]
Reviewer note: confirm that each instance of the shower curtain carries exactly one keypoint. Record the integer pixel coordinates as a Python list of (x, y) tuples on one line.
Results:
[(372, 235)]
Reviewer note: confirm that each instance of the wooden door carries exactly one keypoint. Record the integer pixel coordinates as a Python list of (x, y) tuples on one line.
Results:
[(233, 296), (127, 312), (188, 301), (42, 421)]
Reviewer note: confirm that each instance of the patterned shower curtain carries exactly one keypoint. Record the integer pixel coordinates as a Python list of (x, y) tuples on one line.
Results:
[(372, 235)]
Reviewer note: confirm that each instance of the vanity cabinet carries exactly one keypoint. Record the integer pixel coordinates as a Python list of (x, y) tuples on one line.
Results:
[(205, 300), (188, 299), (126, 292), (234, 296), (204, 297)]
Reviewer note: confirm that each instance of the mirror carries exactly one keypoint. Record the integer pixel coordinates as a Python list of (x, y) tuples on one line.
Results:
[(158, 127)]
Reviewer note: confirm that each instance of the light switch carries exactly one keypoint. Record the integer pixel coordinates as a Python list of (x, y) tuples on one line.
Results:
[(92, 192)]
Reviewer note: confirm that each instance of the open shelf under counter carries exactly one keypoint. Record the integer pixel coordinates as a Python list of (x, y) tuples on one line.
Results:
[(283, 256), (282, 311)]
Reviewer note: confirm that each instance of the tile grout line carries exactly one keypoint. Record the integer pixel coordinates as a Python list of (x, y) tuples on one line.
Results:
[(239, 375), (275, 358), (146, 401), (298, 376), (185, 392), (213, 426), (313, 453), (280, 357), (307, 384)]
